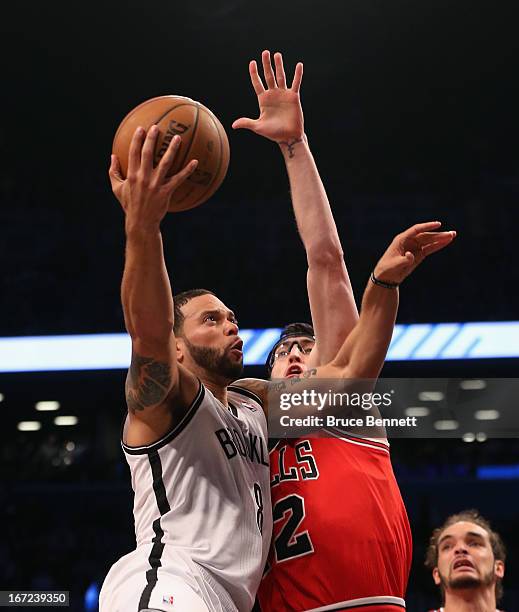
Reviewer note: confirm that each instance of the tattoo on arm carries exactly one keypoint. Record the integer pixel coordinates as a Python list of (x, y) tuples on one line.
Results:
[(147, 384), (291, 146)]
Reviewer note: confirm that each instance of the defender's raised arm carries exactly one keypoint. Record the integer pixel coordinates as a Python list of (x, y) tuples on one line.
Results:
[(281, 120), (365, 349)]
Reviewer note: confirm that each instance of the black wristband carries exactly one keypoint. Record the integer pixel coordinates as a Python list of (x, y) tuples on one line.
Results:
[(380, 283)]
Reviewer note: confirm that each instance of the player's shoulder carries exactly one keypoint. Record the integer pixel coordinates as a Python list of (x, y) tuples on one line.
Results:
[(253, 388)]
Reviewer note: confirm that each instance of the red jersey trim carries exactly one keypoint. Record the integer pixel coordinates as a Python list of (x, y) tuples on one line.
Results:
[(363, 602)]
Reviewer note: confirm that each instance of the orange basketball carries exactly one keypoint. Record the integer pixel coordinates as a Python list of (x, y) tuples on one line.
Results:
[(203, 138)]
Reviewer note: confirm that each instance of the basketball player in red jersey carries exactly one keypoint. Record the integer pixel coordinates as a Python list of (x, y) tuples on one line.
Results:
[(467, 560), (341, 535)]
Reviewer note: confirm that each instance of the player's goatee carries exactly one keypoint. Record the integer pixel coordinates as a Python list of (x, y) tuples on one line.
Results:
[(214, 360), (467, 582)]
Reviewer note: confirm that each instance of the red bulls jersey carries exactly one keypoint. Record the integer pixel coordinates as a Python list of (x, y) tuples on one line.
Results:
[(341, 538)]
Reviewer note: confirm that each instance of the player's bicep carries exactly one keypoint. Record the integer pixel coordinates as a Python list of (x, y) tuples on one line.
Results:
[(159, 393), (152, 375)]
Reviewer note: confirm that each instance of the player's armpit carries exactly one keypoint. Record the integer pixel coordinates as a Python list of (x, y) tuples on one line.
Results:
[(258, 387)]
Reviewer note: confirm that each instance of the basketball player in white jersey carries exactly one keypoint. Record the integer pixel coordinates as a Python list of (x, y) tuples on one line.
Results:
[(467, 560), (195, 446)]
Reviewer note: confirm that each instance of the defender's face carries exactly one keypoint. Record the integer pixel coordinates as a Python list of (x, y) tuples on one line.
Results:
[(465, 558), (291, 357), (210, 324)]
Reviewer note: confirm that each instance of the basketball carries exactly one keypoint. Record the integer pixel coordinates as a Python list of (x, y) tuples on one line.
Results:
[(203, 138)]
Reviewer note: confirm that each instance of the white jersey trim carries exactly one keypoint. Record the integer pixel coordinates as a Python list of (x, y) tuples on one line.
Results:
[(378, 444), (362, 602), (139, 450), (247, 393), (367, 442)]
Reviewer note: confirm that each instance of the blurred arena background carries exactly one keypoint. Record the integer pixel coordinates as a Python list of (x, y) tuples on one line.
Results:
[(411, 113)]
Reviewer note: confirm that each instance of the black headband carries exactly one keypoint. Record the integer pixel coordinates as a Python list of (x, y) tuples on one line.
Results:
[(270, 358)]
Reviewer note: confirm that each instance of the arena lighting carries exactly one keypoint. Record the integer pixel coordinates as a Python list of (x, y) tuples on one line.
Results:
[(481, 436), (469, 437), (498, 472), (28, 426), (431, 396), (47, 406), (446, 425), (66, 420), (417, 411), (473, 385), (92, 597), (1, 397), (486, 415), (414, 342)]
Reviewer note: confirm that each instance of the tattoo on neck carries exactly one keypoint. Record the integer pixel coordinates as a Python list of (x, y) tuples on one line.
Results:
[(291, 145)]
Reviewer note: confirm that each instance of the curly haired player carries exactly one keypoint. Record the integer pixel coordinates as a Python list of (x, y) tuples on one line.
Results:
[(467, 560)]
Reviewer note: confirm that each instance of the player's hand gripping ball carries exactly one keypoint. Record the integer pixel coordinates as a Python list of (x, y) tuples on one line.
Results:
[(202, 137)]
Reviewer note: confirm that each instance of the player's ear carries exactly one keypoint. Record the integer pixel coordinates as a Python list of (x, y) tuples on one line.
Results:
[(436, 576), (499, 569), (180, 350)]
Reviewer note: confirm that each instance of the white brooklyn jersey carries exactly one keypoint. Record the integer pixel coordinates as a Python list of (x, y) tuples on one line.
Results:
[(203, 491)]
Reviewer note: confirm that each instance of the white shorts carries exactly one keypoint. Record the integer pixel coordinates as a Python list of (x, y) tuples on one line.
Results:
[(132, 585)]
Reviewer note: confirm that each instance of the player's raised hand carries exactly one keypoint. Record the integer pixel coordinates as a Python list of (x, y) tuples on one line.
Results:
[(145, 193), (409, 249), (281, 115)]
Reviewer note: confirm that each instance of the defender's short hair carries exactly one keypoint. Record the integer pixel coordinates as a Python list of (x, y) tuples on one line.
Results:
[(291, 330)]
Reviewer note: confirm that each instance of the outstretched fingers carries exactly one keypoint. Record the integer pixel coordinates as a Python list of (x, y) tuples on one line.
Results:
[(148, 151), (177, 179), (167, 159), (298, 77), (280, 71), (267, 70), (255, 78), (134, 154), (442, 240), (244, 123), (420, 228), (425, 238)]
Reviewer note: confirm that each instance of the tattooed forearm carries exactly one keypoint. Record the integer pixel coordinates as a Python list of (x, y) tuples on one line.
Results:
[(147, 384), (291, 146)]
